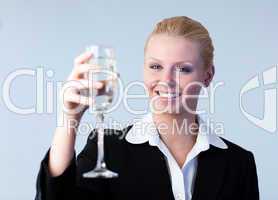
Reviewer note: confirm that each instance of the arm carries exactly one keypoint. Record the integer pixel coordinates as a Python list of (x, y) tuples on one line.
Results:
[(70, 185), (57, 175), (49, 187), (250, 190)]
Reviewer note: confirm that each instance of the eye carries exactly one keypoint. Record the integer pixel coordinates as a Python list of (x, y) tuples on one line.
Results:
[(155, 66), (184, 69)]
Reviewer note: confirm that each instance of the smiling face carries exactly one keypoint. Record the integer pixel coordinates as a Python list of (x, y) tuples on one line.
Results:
[(173, 69)]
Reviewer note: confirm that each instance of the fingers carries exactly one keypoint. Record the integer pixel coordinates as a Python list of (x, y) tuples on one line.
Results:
[(83, 58), (72, 95), (78, 99), (76, 91), (78, 83), (82, 84), (84, 69)]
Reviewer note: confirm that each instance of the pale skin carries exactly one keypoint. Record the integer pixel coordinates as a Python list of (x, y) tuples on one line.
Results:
[(168, 58), (169, 55), (62, 148)]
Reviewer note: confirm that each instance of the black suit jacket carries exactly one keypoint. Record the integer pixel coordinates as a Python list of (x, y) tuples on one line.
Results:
[(226, 174)]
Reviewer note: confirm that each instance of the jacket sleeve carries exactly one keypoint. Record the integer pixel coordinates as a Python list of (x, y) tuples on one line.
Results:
[(250, 182), (58, 187), (70, 184)]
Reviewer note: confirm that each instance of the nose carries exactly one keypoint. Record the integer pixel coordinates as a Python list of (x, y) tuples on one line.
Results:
[(168, 78)]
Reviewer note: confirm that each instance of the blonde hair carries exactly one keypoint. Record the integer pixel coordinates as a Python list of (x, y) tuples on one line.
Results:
[(189, 29)]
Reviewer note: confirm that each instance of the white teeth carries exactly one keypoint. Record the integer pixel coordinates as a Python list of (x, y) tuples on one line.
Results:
[(168, 95)]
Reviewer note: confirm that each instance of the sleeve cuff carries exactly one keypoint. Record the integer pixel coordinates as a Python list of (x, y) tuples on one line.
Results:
[(50, 187)]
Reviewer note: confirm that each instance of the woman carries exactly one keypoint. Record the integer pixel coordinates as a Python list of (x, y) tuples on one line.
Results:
[(182, 161)]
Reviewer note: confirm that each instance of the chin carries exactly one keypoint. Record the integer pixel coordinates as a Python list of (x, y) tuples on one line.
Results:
[(161, 105)]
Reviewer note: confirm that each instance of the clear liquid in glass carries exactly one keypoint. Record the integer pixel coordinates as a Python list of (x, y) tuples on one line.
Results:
[(103, 97), (103, 70)]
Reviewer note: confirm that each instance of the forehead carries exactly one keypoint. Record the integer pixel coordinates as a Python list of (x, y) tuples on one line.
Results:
[(165, 47)]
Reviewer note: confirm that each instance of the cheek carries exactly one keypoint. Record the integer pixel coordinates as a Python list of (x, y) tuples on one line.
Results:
[(149, 85), (149, 79), (192, 87)]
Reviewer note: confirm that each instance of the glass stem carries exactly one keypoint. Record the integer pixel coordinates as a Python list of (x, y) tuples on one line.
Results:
[(100, 141)]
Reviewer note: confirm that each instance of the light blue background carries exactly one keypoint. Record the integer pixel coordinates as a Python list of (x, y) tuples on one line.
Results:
[(51, 33)]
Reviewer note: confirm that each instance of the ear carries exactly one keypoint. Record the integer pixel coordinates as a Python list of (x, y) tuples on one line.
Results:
[(209, 74)]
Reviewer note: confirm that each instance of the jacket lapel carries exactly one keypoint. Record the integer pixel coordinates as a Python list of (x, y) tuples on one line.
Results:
[(158, 170), (210, 174)]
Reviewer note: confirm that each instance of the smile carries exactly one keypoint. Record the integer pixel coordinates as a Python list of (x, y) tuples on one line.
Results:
[(168, 95)]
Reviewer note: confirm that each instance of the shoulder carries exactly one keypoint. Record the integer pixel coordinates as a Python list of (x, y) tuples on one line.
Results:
[(238, 155), (242, 166), (235, 149)]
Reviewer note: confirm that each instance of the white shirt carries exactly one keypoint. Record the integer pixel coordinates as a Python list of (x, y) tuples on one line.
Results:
[(182, 179)]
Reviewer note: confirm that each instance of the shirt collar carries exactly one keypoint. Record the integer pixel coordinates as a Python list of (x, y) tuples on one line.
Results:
[(144, 130)]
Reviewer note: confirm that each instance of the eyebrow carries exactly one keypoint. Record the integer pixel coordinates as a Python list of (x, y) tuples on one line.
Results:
[(179, 62)]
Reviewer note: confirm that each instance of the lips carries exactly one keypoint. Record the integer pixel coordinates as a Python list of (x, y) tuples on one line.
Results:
[(169, 95)]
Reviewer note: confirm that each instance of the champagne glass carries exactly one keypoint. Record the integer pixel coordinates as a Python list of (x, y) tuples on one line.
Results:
[(104, 70)]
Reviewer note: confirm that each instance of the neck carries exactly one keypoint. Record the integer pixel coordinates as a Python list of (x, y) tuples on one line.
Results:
[(177, 131)]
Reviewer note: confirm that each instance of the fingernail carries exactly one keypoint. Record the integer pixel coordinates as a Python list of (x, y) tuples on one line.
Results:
[(99, 84)]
